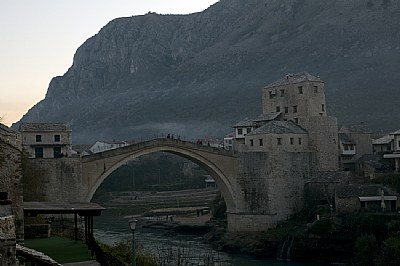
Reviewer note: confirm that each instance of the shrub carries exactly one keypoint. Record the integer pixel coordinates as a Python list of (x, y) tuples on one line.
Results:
[(391, 251), (365, 248), (322, 227)]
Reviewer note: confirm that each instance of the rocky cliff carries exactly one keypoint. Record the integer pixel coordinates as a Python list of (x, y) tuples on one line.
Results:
[(196, 75)]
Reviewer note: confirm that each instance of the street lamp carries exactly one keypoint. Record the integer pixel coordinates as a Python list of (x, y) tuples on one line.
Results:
[(132, 225)]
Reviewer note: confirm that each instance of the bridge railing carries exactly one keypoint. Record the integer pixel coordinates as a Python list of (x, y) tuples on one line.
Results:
[(159, 142)]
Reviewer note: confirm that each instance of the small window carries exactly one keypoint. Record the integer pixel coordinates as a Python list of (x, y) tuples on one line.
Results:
[(282, 93), (296, 120), (279, 141), (57, 138), (286, 110), (38, 138), (38, 152), (300, 89), (291, 141), (323, 108), (248, 130), (57, 152), (251, 143), (271, 94), (295, 109), (278, 108), (300, 141), (261, 142), (399, 143), (240, 131), (315, 89)]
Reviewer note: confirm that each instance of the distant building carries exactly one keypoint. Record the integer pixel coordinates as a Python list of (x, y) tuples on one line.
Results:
[(355, 142), (228, 141), (101, 146), (396, 150), (372, 198), (46, 140), (210, 182), (384, 144)]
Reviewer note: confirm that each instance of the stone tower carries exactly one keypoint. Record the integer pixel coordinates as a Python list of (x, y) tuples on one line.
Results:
[(301, 98)]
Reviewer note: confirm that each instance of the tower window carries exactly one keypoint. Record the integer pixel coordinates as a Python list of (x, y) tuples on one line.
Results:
[(315, 89), (271, 94), (300, 141), (57, 138), (240, 131), (278, 108), (251, 143), (248, 130), (286, 110), (279, 141), (295, 109), (282, 93), (296, 120), (323, 108), (300, 89), (261, 142), (291, 141), (38, 138)]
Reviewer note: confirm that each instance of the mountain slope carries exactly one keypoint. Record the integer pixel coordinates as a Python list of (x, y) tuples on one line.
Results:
[(195, 75)]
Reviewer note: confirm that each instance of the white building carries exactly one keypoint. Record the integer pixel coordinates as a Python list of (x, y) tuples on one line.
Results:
[(396, 150), (101, 146)]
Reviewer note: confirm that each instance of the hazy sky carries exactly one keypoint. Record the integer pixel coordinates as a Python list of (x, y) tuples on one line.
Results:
[(38, 39)]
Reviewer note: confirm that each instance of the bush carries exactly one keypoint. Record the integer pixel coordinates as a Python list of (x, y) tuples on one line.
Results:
[(321, 227), (391, 251), (365, 248)]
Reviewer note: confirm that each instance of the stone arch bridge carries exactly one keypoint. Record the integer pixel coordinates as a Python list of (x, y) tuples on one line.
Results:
[(218, 162), (257, 193)]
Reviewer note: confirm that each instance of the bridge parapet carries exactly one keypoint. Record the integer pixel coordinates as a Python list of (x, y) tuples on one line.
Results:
[(157, 143)]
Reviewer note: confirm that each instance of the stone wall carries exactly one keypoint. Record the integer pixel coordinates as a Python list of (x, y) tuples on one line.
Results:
[(11, 183), (7, 241), (323, 139), (61, 180), (269, 188)]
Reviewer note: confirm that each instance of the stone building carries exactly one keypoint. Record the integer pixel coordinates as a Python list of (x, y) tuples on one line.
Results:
[(46, 140), (291, 142), (11, 195), (301, 99)]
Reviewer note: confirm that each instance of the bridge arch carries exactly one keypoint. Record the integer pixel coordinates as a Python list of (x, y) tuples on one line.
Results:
[(217, 162)]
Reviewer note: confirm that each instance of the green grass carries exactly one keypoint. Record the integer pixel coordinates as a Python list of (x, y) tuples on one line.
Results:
[(61, 249)]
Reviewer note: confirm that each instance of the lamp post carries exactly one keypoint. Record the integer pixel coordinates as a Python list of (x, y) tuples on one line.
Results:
[(132, 225)]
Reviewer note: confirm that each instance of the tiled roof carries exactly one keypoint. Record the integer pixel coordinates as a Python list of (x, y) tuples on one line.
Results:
[(384, 140), (360, 128), (396, 132), (4, 128), (293, 79), (279, 127), (345, 139), (344, 191), (261, 118), (43, 127)]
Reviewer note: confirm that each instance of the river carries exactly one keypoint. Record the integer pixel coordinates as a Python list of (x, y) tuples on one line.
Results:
[(112, 229)]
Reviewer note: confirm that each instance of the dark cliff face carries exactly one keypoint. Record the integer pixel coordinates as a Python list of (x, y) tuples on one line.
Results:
[(197, 74)]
